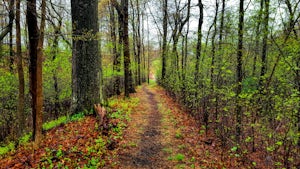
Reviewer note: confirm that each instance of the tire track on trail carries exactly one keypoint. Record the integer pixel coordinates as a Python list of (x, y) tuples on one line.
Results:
[(148, 151)]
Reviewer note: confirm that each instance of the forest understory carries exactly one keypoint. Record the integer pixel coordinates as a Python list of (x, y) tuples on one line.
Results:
[(149, 130)]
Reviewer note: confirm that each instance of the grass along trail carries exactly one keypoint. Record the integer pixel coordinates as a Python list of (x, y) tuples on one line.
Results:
[(160, 135), (147, 131)]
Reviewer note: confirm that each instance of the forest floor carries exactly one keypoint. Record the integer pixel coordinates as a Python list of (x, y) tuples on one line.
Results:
[(154, 133)]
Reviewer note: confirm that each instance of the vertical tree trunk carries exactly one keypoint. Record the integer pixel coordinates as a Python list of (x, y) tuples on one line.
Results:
[(139, 43), (129, 88), (148, 51), (264, 45), (116, 54), (213, 50), (11, 21), (239, 73), (257, 37), (134, 41), (165, 33), (199, 42), (54, 52), (35, 71), (85, 55), (21, 96)]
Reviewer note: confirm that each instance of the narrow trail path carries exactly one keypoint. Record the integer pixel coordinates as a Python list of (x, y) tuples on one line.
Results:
[(161, 136), (145, 150), (154, 137)]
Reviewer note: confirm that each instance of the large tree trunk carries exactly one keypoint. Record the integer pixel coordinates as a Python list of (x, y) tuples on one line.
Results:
[(239, 73), (21, 97), (35, 71), (129, 88), (85, 56)]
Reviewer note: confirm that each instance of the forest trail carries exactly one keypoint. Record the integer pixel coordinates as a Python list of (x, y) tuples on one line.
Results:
[(160, 135), (146, 143), (156, 133)]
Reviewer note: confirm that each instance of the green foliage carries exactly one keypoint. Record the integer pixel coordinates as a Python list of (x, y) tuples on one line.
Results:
[(55, 123), (7, 148), (177, 157), (26, 138), (77, 116)]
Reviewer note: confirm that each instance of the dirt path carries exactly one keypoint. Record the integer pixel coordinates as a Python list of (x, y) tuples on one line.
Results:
[(145, 148)]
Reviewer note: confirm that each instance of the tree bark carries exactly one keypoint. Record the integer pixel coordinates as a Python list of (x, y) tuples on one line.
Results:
[(85, 55), (21, 96), (264, 45), (199, 42), (116, 54), (213, 50), (127, 63), (165, 34), (239, 71), (257, 37), (35, 71)]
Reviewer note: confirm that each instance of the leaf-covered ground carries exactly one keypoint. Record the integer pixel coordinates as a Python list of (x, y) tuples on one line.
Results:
[(147, 131)]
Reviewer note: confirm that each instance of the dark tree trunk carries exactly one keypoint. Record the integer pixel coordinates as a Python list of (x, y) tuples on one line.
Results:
[(264, 44), (134, 40), (213, 50), (139, 43), (257, 38), (11, 21), (199, 42), (239, 71), (164, 43), (124, 38), (21, 96), (35, 71), (116, 54), (129, 88), (85, 59)]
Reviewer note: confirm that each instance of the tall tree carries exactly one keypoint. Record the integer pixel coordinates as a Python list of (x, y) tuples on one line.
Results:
[(239, 71), (165, 34), (21, 96), (257, 36), (11, 20), (116, 53), (199, 41), (213, 46), (35, 71), (122, 10), (264, 43), (85, 55)]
